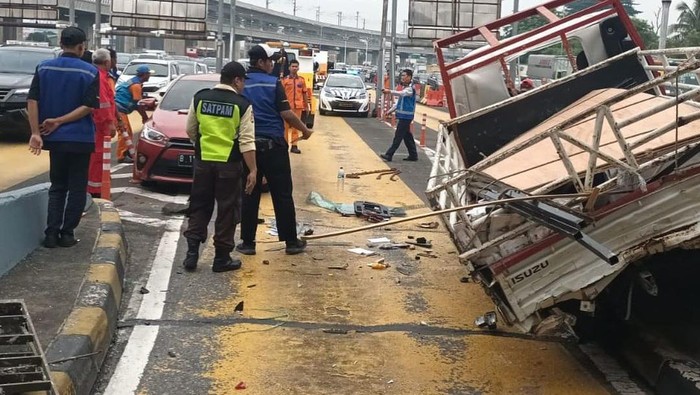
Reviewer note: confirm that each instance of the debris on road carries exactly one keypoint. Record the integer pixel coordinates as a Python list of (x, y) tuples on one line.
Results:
[(265, 262), (379, 265), (174, 209), (487, 320), (172, 354), (144, 291), (241, 386), (362, 251), (318, 200), (390, 382), (344, 267), (464, 279), (239, 307), (252, 285), (379, 240), (428, 225), (427, 254)]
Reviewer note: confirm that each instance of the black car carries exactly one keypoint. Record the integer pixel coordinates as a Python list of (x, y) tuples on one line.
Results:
[(17, 66)]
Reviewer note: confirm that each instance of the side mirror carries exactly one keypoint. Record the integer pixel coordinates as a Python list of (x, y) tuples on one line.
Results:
[(161, 93)]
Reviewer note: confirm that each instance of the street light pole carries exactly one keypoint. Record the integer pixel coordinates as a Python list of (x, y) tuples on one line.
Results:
[(392, 82), (663, 32), (71, 12), (232, 49), (380, 64), (220, 38), (98, 23)]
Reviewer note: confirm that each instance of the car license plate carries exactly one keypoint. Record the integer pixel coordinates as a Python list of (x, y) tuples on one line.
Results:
[(185, 160), (346, 104)]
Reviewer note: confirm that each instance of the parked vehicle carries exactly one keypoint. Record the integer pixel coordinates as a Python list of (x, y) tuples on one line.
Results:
[(164, 71), (123, 59), (164, 152), (17, 66), (592, 181), (344, 93), (188, 67)]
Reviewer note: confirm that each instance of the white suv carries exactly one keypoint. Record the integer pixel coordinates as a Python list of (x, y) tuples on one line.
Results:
[(163, 71)]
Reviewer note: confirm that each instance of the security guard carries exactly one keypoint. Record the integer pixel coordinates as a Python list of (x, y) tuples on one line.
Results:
[(220, 123), (405, 108), (271, 110)]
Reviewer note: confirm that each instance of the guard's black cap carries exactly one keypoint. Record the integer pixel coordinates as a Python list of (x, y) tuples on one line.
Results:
[(72, 36), (232, 70), (258, 52)]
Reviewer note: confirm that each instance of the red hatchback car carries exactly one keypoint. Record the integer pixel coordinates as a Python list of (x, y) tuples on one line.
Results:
[(164, 152)]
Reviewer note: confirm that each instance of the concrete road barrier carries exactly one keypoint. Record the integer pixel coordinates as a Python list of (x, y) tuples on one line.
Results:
[(23, 213)]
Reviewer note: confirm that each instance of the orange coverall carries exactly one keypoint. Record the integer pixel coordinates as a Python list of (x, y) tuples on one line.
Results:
[(122, 146), (295, 89), (105, 120)]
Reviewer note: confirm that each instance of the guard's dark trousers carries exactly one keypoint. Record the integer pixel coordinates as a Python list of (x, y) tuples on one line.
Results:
[(273, 163), (220, 182), (403, 133), (67, 194)]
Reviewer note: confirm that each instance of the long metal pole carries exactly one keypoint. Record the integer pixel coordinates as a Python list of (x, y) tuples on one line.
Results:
[(71, 12), (392, 82), (232, 41), (514, 63), (220, 38), (663, 32), (380, 62), (98, 23)]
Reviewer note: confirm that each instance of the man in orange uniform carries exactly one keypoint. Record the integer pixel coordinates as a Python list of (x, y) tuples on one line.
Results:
[(105, 120), (298, 97), (127, 96)]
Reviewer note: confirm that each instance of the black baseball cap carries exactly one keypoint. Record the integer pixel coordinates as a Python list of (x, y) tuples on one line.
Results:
[(72, 36), (259, 52), (232, 70)]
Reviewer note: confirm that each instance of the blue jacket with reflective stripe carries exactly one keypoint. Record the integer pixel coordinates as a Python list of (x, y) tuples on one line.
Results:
[(261, 91), (62, 85), (123, 98), (406, 106)]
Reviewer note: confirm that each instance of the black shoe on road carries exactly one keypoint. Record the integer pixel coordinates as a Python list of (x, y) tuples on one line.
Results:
[(410, 159), (385, 157), (295, 247), (224, 263), (192, 255), (295, 150), (246, 248), (51, 241), (67, 240)]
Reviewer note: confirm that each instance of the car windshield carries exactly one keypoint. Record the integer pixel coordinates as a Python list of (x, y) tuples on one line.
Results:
[(179, 95), (159, 70), (337, 81), (21, 62), (186, 68)]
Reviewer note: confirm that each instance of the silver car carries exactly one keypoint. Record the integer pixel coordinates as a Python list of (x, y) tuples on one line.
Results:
[(344, 93)]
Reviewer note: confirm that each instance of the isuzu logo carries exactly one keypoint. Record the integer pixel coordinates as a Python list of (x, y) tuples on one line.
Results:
[(527, 273)]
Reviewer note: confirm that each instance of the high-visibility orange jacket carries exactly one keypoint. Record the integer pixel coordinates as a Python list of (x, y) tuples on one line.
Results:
[(105, 115), (295, 88)]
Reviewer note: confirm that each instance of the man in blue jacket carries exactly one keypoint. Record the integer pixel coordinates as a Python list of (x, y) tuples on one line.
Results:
[(270, 111), (405, 108), (63, 94)]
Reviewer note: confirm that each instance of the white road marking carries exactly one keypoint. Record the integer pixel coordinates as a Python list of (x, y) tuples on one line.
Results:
[(613, 372), (153, 303), (120, 166), (121, 175), (140, 219), (132, 364), (180, 199)]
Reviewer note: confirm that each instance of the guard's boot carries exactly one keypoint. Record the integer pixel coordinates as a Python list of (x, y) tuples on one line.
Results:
[(223, 261), (192, 255)]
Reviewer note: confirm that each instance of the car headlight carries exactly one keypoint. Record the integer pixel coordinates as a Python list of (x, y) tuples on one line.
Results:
[(151, 134), (24, 91), (363, 96)]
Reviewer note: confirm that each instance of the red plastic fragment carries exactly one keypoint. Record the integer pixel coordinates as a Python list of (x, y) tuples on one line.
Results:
[(241, 386)]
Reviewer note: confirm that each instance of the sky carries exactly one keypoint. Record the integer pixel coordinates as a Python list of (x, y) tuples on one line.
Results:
[(371, 10)]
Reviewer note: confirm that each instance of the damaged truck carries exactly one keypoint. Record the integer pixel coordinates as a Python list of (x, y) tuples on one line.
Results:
[(598, 171)]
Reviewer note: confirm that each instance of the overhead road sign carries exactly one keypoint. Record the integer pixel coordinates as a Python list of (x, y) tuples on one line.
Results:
[(430, 20), (172, 17), (28, 13)]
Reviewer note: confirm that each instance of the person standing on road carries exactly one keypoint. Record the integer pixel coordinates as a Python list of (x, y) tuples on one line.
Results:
[(405, 108), (61, 99), (299, 101), (271, 110), (127, 98), (220, 123), (105, 121)]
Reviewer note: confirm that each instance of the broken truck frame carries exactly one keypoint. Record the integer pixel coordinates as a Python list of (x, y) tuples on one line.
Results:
[(607, 130)]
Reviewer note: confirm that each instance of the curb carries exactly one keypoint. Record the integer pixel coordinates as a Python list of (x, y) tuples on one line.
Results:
[(82, 342)]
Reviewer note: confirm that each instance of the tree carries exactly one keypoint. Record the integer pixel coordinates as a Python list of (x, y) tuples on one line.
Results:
[(688, 23), (582, 4), (646, 31)]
